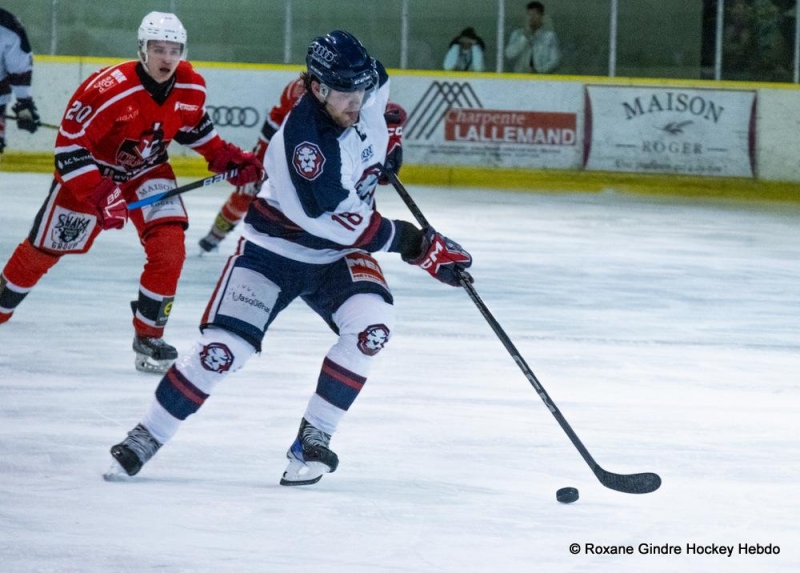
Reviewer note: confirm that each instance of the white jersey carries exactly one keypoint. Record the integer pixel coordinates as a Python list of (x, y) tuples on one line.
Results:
[(16, 59), (318, 204)]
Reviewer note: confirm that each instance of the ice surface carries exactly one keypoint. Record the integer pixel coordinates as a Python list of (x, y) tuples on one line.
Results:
[(666, 330)]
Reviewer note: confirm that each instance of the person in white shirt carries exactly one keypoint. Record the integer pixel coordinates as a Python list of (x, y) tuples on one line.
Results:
[(465, 53), (533, 48)]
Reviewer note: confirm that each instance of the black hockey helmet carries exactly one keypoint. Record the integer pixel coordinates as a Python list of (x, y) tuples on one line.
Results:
[(339, 61)]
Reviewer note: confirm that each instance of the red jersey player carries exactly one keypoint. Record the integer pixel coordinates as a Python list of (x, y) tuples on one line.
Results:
[(111, 149), (235, 207)]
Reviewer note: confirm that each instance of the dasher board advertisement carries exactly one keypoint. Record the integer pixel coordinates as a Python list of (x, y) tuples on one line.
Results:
[(491, 123), (670, 130)]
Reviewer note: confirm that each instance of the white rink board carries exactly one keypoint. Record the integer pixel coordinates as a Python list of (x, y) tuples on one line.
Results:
[(491, 122), (670, 130), (501, 119)]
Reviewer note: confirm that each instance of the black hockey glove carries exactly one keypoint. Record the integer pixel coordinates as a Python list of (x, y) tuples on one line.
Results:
[(27, 116)]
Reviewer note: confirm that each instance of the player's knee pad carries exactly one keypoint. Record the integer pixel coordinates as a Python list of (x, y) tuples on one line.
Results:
[(28, 264), (165, 245), (365, 323), (217, 353), (165, 248), (186, 386)]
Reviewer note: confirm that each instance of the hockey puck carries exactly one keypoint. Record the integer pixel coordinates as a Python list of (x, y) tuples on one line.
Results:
[(567, 495)]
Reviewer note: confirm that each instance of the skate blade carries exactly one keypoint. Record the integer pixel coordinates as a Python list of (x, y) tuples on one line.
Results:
[(144, 363), (300, 473), (116, 473)]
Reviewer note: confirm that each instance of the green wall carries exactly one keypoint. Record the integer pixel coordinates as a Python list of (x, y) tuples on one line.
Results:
[(656, 38)]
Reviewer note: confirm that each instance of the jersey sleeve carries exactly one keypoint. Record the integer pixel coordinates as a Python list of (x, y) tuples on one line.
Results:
[(197, 132)]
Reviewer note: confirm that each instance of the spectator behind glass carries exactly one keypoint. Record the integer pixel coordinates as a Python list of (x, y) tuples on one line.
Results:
[(533, 48), (465, 53)]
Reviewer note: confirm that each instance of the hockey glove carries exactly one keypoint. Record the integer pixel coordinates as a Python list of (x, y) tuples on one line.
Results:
[(27, 116), (443, 258), (112, 212), (231, 157), (395, 117)]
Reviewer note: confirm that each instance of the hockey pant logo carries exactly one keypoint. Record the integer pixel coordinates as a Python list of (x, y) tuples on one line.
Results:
[(373, 339), (69, 228)]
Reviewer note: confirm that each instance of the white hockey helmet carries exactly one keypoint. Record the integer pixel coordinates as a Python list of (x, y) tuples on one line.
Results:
[(161, 26)]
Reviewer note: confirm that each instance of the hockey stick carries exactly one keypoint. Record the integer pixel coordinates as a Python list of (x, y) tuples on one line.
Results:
[(631, 483), (178, 190), (47, 125)]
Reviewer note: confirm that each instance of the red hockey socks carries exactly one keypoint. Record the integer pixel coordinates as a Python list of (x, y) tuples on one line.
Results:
[(21, 273), (166, 251)]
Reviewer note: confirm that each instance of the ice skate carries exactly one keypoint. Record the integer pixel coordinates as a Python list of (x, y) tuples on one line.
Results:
[(153, 354), (209, 243), (309, 457), (132, 453)]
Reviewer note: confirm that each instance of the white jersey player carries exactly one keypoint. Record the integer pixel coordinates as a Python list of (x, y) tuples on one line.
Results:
[(16, 71), (310, 234)]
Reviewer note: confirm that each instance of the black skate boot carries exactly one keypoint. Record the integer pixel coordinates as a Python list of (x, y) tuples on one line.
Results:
[(309, 457), (153, 354), (132, 453), (209, 243), (219, 230)]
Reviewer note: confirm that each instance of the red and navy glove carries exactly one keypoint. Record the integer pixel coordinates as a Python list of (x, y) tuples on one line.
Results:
[(395, 117), (443, 258), (230, 157), (112, 212), (27, 116)]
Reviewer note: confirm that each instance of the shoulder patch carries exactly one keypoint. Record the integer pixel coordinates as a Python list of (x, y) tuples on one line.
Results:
[(308, 160)]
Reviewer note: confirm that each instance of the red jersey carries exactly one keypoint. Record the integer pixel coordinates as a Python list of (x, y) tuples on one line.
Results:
[(119, 124), (291, 93)]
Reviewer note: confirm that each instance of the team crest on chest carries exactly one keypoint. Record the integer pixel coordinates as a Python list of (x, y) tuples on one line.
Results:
[(146, 151), (308, 160)]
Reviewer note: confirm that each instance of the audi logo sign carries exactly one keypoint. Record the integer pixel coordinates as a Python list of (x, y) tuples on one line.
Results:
[(224, 116), (322, 52)]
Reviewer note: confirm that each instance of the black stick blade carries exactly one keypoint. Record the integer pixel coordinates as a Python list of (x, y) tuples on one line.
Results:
[(632, 483)]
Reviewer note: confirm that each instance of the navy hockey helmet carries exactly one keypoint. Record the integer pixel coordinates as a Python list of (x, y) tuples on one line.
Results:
[(339, 61)]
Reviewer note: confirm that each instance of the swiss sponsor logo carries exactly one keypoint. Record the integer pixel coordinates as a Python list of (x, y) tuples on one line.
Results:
[(119, 76), (216, 357), (510, 127), (372, 339), (363, 267), (308, 160)]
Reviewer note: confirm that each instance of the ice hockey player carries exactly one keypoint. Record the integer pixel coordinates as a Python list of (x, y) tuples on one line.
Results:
[(309, 234), (16, 71), (111, 148), (235, 206)]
